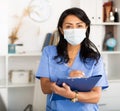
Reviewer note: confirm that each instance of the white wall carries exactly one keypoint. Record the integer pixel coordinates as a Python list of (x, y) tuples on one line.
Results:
[(3, 26), (32, 34), (57, 8)]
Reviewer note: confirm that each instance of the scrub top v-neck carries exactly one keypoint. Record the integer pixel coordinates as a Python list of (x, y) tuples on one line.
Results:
[(49, 68)]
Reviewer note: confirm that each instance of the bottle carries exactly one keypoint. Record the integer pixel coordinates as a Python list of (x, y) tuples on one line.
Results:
[(111, 17), (116, 15)]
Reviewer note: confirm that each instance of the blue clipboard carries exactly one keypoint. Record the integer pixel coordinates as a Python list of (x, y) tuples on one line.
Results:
[(77, 84)]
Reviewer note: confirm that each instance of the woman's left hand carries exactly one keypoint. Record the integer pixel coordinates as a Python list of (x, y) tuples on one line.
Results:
[(64, 91)]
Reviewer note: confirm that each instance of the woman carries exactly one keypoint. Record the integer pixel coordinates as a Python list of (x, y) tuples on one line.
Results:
[(74, 56)]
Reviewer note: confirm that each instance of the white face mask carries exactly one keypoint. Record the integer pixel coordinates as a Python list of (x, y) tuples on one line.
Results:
[(74, 36)]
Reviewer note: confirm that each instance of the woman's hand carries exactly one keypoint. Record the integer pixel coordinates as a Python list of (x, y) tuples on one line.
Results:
[(76, 73), (48, 87), (64, 91)]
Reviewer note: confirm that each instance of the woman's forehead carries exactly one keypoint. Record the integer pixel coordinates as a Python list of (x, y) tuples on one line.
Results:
[(72, 19)]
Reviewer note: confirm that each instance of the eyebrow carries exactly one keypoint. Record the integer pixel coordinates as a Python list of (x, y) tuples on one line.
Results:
[(76, 23)]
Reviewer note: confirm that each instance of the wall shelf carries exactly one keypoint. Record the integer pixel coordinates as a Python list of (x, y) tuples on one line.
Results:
[(110, 52), (25, 54), (13, 85), (106, 23)]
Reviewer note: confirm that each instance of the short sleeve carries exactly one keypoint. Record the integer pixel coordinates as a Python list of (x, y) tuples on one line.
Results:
[(100, 70), (43, 69)]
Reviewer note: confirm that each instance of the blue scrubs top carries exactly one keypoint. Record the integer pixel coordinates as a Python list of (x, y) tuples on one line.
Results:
[(50, 69)]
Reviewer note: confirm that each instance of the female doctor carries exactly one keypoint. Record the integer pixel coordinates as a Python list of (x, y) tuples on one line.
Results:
[(74, 56)]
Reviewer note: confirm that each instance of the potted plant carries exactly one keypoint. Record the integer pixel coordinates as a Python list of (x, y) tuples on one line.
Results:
[(13, 37), (14, 34)]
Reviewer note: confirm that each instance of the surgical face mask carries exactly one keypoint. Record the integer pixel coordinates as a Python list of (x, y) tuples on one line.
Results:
[(74, 36)]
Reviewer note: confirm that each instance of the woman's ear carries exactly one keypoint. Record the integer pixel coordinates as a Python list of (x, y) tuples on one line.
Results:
[(61, 30)]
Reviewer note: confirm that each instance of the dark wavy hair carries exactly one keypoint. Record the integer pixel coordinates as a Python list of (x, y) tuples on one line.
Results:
[(87, 50)]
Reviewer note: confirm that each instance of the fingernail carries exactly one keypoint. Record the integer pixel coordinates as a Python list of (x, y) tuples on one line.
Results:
[(63, 84)]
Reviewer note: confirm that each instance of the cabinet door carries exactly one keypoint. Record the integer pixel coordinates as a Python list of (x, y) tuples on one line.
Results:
[(99, 11), (110, 98), (90, 8), (97, 35), (93, 9), (3, 99), (2, 71)]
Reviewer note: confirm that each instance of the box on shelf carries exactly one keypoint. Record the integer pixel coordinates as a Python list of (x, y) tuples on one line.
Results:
[(20, 48), (20, 76)]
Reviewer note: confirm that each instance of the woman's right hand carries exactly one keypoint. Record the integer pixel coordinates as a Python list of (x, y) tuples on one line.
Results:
[(76, 73)]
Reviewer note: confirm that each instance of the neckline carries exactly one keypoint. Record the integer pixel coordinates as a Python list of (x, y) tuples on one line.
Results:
[(66, 64)]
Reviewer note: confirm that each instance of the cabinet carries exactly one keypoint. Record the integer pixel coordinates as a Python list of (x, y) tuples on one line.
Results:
[(21, 94), (94, 10), (3, 89), (17, 96), (110, 97), (2, 71)]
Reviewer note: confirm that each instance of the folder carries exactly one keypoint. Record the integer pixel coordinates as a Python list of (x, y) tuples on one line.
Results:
[(77, 84)]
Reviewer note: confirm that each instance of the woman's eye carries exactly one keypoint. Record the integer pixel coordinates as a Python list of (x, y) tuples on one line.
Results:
[(68, 27), (79, 26)]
